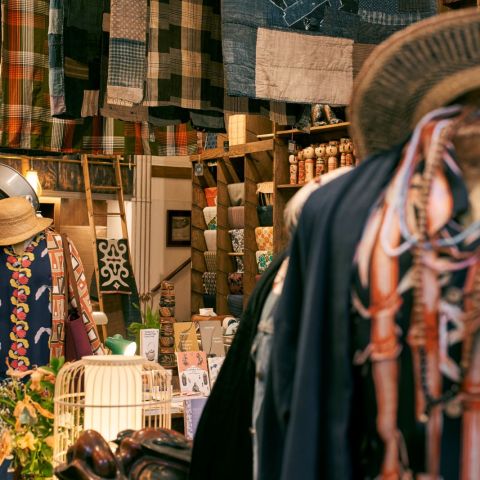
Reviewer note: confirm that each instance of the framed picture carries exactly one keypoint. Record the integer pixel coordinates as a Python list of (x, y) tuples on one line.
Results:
[(179, 228)]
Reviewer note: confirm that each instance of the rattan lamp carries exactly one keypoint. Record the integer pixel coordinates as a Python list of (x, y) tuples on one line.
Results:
[(109, 393)]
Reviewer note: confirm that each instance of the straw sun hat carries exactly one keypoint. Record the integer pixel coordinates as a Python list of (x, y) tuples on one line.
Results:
[(423, 67), (18, 221)]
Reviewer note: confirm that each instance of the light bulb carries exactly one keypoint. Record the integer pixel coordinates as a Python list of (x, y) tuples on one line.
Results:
[(34, 181)]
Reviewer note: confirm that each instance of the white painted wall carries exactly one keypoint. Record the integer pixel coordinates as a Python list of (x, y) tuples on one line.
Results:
[(169, 194), (114, 225)]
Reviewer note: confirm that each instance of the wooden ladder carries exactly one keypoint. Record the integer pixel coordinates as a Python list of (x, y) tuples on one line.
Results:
[(118, 190)]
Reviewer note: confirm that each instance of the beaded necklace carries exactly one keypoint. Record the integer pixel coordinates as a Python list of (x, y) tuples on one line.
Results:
[(441, 140)]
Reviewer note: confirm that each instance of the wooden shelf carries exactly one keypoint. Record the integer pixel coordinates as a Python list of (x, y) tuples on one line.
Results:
[(313, 130), (289, 186), (233, 151), (265, 136), (259, 161), (325, 128)]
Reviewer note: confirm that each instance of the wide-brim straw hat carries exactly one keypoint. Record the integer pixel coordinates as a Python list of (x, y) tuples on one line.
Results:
[(18, 221), (419, 69)]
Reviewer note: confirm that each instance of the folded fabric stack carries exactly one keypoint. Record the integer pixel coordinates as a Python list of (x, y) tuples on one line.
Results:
[(238, 246), (210, 215), (211, 196), (209, 301), (211, 240), (264, 259), (236, 217), (210, 283), (265, 193), (236, 193), (235, 304), (211, 261), (235, 283), (264, 238), (265, 215), (238, 239), (210, 276)]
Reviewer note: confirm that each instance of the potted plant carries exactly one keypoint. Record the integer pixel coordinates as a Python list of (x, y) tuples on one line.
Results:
[(26, 420), (151, 319)]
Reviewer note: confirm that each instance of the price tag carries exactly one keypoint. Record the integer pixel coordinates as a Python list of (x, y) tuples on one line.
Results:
[(198, 170), (226, 146), (291, 146)]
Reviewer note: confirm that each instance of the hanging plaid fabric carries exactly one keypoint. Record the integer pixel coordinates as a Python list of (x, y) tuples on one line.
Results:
[(127, 62), (74, 48), (174, 140), (185, 78), (25, 110)]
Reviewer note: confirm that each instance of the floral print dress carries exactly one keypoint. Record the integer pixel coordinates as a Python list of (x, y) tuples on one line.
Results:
[(25, 306)]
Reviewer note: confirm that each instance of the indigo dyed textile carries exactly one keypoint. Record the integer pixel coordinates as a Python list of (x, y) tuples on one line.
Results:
[(304, 51), (74, 48)]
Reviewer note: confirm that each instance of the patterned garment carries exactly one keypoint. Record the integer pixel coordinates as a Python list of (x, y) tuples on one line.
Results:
[(407, 377), (127, 56), (306, 51), (57, 262), (114, 266), (25, 308)]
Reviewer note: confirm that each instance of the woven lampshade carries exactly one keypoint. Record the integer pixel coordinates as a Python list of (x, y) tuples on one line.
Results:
[(108, 394)]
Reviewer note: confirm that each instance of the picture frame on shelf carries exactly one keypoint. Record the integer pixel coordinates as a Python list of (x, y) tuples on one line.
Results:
[(179, 228)]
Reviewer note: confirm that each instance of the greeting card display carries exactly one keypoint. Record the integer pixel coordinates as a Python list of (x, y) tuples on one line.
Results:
[(193, 373), (214, 366), (149, 339), (212, 338), (185, 337)]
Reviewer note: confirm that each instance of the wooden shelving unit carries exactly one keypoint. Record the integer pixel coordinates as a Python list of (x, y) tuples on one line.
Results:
[(258, 161), (249, 163)]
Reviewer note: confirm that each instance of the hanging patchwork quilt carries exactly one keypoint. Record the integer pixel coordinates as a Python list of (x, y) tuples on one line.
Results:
[(307, 50), (25, 108), (127, 56), (74, 47), (185, 77)]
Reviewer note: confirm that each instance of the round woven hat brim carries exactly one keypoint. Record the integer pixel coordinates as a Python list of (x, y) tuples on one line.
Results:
[(7, 238), (423, 67)]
